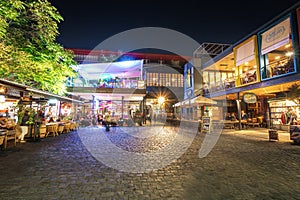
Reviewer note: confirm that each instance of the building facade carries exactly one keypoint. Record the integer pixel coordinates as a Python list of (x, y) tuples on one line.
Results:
[(258, 74), (126, 82)]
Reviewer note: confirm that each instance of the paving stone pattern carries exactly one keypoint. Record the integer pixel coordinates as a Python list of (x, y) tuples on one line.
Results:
[(242, 165)]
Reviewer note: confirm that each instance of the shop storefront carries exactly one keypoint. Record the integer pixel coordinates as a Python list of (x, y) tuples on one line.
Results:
[(52, 105), (283, 113), (277, 45), (219, 76)]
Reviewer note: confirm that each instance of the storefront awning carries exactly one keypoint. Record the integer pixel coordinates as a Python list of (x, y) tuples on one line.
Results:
[(196, 101), (245, 52), (276, 36), (202, 101), (41, 94)]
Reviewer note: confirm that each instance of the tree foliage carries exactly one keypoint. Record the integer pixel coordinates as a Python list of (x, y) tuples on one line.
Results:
[(30, 55), (294, 93)]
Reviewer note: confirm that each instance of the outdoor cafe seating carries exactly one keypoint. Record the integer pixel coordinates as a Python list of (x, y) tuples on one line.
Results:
[(52, 129), (6, 136)]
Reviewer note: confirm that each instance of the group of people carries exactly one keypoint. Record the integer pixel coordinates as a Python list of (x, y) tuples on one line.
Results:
[(22, 127), (135, 116), (289, 117), (7, 124), (232, 116)]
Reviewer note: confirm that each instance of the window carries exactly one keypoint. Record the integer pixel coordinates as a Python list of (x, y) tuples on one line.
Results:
[(189, 78), (246, 62), (277, 55)]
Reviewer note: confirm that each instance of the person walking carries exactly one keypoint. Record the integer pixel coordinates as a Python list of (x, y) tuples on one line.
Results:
[(24, 126), (244, 115), (107, 121)]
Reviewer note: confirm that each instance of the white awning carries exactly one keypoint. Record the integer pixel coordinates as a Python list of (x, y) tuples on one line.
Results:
[(202, 101), (185, 103), (178, 104), (276, 36), (245, 53)]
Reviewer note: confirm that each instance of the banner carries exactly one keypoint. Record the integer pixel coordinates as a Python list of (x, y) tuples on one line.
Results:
[(276, 36), (245, 53)]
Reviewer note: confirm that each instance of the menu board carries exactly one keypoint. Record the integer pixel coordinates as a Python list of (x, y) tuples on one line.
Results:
[(206, 124)]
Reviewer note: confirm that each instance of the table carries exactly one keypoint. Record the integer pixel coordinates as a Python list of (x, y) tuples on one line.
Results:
[(230, 123)]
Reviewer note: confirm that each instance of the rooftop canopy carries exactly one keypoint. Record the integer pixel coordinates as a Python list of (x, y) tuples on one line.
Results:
[(123, 69)]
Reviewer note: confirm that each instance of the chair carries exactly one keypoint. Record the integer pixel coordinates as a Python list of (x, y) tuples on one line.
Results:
[(60, 129), (52, 129), (76, 125), (254, 122), (43, 130), (72, 127), (67, 127), (10, 135), (2, 136), (260, 121)]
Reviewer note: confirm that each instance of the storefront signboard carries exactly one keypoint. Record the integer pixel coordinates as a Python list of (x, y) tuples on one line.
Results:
[(276, 36), (250, 98), (206, 124)]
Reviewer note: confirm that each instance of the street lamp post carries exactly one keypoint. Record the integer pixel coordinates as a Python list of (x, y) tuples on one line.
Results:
[(161, 101)]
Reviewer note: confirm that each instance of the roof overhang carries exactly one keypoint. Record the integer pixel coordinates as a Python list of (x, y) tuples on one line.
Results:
[(123, 69), (36, 94), (127, 94)]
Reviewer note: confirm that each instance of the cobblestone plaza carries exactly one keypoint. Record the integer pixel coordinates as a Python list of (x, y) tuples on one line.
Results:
[(242, 165)]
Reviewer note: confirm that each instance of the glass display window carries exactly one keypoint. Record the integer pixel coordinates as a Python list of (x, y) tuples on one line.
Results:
[(277, 50), (281, 112), (246, 61), (229, 82), (214, 81), (189, 78), (248, 72)]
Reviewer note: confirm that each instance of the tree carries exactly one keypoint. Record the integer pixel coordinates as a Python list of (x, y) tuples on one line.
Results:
[(30, 55), (293, 93)]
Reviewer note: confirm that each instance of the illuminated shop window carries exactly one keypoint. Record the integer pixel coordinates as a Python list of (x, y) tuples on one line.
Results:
[(189, 74), (164, 79), (246, 62), (229, 81), (277, 55), (174, 80)]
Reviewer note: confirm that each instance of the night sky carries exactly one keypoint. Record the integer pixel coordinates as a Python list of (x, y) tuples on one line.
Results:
[(87, 23)]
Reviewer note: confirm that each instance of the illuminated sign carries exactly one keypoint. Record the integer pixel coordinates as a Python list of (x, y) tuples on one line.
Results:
[(275, 34), (250, 98), (3, 89), (2, 98)]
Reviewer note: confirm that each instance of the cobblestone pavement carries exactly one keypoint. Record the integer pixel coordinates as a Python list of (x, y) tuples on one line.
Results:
[(242, 165)]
